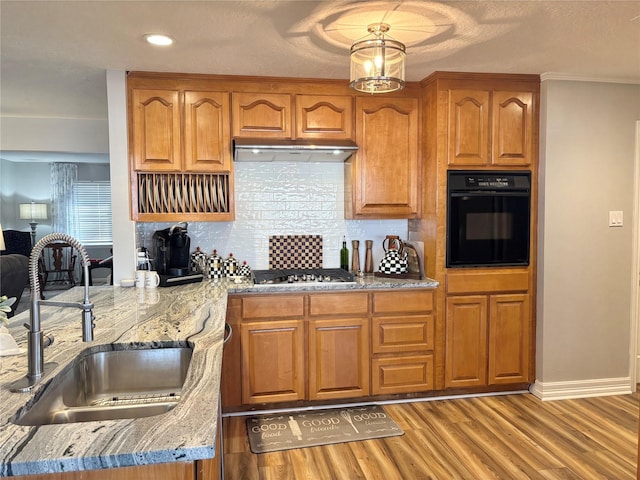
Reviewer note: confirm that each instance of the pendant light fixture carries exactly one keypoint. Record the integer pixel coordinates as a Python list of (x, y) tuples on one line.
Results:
[(377, 62)]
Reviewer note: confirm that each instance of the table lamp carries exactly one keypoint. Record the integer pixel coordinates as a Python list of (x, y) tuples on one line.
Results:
[(2, 245), (33, 211)]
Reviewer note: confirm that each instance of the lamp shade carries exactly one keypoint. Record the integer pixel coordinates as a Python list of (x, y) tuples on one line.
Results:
[(33, 211), (2, 245), (377, 62)]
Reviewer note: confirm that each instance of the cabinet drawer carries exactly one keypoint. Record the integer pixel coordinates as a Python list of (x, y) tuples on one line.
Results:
[(488, 282), (401, 374), (403, 301), (339, 303), (272, 306), (402, 334)]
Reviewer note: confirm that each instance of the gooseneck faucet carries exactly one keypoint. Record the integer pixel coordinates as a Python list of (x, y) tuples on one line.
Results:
[(35, 341)]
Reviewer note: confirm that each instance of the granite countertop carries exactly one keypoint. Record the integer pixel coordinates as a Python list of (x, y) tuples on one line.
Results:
[(136, 318), (175, 316), (366, 282)]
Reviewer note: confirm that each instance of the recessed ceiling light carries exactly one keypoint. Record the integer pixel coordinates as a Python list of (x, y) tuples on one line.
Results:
[(158, 39)]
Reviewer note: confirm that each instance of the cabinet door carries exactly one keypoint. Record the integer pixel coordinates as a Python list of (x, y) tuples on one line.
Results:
[(509, 339), (272, 361), (155, 130), (324, 116), (206, 132), (469, 127), (512, 129), (392, 375), (338, 358), (166, 471), (261, 115), (466, 341), (384, 173)]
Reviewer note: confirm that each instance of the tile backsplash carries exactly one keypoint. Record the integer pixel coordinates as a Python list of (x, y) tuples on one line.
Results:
[(285, 199)]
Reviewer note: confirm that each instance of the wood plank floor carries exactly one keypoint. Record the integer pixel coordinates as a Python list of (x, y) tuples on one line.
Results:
[(499, 437)]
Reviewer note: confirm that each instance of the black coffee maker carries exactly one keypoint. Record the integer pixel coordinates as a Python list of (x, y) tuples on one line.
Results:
[(171, 251)]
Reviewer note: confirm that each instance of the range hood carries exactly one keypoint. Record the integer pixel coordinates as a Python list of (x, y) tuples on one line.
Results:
[(287, 150)]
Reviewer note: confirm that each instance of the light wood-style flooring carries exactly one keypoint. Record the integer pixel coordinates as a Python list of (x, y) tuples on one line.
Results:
[(498, 437)]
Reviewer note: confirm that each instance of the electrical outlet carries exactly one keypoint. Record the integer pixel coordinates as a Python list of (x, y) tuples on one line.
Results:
[(615, 218)]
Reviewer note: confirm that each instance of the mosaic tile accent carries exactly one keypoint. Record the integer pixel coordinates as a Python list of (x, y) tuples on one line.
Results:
[(295, 251)]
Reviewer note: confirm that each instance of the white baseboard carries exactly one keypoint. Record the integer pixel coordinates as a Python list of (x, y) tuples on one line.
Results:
[(598, 387)]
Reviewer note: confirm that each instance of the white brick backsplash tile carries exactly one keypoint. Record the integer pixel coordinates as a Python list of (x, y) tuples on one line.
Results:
[(285, 199)]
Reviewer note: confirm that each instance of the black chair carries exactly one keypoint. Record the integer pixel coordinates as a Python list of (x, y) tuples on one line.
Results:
[(16, 241)]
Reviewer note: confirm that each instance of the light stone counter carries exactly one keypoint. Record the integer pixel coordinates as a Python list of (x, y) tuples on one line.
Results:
[(366, 282), (133, 318), (176, 316)]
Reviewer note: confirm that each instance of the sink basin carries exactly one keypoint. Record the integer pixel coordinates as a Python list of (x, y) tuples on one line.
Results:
[(111, 385)]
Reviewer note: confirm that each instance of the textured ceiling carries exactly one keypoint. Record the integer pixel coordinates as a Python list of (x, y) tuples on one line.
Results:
[(54, 53)]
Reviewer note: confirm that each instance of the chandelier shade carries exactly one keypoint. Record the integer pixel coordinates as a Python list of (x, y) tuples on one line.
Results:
[(377, 62)]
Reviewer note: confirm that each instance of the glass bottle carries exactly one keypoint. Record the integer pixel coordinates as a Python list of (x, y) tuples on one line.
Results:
[(355, 256), (344, 255)]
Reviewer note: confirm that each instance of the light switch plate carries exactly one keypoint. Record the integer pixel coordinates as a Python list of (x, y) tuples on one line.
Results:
[(615, 218)]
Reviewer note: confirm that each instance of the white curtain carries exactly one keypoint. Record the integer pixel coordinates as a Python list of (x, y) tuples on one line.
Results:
[(63, 176)]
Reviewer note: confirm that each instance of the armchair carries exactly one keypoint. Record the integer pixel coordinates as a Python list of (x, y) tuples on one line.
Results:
[(17, 242)]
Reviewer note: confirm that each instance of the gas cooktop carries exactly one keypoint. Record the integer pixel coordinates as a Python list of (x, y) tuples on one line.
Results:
[(301, 276)]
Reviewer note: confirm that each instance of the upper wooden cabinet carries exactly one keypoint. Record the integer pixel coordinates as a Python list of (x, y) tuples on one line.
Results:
[(273, 115), (324, 116), (261, 115), (384, 175), (490, 127), (156, 131), (206, 131)]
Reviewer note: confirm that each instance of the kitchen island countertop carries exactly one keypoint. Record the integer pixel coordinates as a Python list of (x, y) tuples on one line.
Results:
[(131, 318), (135, 318)]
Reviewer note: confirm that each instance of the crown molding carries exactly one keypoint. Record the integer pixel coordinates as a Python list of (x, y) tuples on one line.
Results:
[(571, 77)]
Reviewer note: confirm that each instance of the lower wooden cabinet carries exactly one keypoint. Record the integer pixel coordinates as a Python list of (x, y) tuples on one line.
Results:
[(338, 358), (391, 375), (199, 470), (466, 341), (273, 360), (487, 340), (402, 342), (509, 339), (322, 346)]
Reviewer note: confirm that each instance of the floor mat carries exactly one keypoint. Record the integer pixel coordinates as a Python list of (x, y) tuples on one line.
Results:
[(269, 433)]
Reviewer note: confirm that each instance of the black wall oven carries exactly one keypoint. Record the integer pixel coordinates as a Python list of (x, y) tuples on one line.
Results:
[(488, 218)]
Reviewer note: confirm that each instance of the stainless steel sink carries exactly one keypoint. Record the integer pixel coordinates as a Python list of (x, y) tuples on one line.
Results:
[(111, 385)]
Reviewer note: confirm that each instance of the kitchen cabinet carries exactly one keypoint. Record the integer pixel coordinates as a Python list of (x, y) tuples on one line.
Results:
[(466, 341), (324, 116), (155, 130), (261, 114), (488, 336), (285, 115), (273, 349), (338, 358), (273, 356), (490, 127), (157, 127), (180, 155), (383, 177), (206, 132), (402, 342), (324, 346), (198, 470)]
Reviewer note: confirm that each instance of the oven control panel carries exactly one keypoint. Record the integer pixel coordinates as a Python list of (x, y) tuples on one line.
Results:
[(489, 182)]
